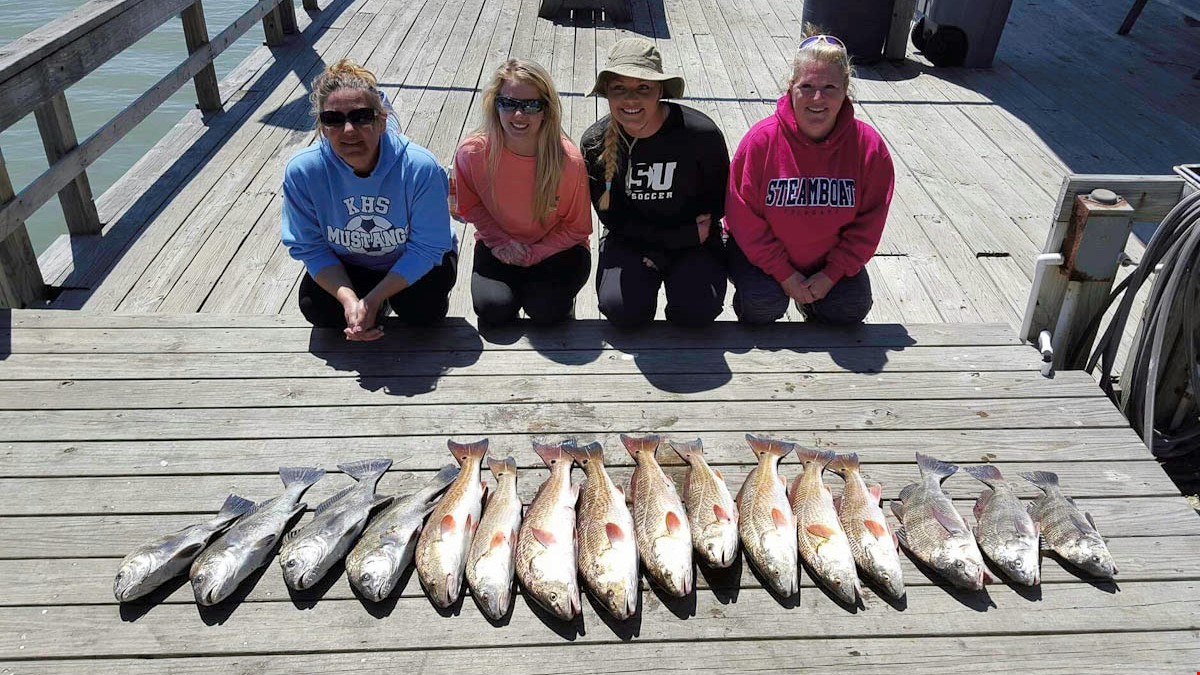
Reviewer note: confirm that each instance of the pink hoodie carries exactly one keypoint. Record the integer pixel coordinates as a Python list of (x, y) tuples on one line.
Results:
[(796, 205)]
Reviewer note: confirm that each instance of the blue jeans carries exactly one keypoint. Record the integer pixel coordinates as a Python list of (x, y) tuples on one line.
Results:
[(759, 299)]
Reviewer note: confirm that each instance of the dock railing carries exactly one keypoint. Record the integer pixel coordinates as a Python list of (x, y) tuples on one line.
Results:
[(37, 69)]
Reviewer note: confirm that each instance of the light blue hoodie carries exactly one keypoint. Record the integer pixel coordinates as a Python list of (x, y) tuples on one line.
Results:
[(396, 220)]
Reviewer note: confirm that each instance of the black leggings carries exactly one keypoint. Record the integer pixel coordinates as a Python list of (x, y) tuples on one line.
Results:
[(546, 291), (422, 303), (627, 288)]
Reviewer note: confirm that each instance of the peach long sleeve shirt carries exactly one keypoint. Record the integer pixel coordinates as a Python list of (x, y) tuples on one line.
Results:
[(500, 205)]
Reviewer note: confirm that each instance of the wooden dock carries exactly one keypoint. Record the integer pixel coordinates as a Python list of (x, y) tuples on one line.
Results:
[(118, 428)]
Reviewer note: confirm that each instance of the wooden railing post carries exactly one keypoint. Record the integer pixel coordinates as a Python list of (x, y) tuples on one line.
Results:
[(21, 281), (287, 13), (58, 137), (273, 27), (195, 32)]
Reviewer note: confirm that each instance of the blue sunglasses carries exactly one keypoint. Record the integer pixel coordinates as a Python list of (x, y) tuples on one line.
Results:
[(827, 39)]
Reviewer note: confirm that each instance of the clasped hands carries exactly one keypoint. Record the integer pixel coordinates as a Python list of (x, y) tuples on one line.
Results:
[(807, 290), (513, 252), (362, 323)]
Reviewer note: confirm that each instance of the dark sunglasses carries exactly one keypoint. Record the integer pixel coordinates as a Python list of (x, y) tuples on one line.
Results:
[(359, 117), (529, 106), (827, 39)]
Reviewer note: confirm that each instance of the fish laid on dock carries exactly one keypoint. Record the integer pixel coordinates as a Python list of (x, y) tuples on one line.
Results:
[(711, 511), (933, 530), (1004, 529), (249, 543), (608, 555), (309, 552), (819, 536), (766, 523), (442, 547), (1068, 531), (546, 545), (157, 561), (385, 550), (491, 558), (664, 538), (874, 546)]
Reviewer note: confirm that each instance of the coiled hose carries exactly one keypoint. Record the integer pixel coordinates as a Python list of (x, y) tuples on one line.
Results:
[(1176, 288)]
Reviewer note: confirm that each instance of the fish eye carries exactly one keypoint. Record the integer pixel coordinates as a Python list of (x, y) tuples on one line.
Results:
[(554, 597), (1017, 564), (291, 562), (958, 564)]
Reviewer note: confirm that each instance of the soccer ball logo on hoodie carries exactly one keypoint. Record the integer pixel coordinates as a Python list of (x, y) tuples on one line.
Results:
[(372, 235)]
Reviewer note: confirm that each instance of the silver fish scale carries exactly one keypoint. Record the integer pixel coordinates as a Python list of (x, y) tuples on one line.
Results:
[(1000, 520), (1062, 522), (596, 504), (923, 532), (700, 492)]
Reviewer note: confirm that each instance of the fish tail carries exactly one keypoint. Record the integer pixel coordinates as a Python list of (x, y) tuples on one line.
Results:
[(234, 506), (821, 457), (464, 451), (688, 449), (552, 453), (761, 445), (1046, 480), (930, 466), (634, 444), (300, 475), (444, 476), (366, 469), (502, 467), (988, 474), (592, 452), (843, 465)]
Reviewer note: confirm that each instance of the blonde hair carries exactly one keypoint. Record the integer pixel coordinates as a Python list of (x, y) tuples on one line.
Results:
[(821, 52), (345, 74), (549, 154), (610, 153)]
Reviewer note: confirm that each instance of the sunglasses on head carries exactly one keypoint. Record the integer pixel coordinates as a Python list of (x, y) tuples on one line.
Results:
[(827, 39), (359, 117), (529, 106)]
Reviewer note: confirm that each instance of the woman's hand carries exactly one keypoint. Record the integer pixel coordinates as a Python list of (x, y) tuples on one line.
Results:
[(796, 287), (361, 320), (704, 225), (512, 253), (818, 286)]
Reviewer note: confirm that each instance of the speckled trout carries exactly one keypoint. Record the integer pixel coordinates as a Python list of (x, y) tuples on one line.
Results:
[(608, 556), (442, 547), (1004, 529), (1068, 531)]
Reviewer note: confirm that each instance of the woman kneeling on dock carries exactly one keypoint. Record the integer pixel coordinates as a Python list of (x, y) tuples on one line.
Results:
[(658, 172), (524, 187), (809, 190), (365, 210)]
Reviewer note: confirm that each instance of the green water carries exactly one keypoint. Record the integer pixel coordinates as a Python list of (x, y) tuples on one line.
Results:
[(102, 95)]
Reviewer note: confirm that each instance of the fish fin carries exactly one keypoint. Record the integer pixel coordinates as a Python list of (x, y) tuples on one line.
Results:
[(366, 469), (982, 502), (876, 528), (1081, 522), (896, 541), (448, 525), (502, 467), (380, 501), (781, 519), (464, 451), (820, 530), (897, 509), (843, 464), (592, 452), (324, 506), (1091, 521), (935, 467), (876, 492), (762, 445), (901, 537), (721, 514), (544, 537), (948, 521), (445, 476), (674, 523), (498, 540), (688, 449), (635, 444), (471, 526), (300, 475), (719, 476), (821, 458), (1026, 526), (1043, 479), (837, 503), (266, 543), (988, 577), (615, 534), (783, 482), (190, 551), (575, 488), (553, 453), (234, 507), (988, 474)]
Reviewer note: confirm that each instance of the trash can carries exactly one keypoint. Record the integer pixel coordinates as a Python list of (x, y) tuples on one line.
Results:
[(861, 24), (958, 33)]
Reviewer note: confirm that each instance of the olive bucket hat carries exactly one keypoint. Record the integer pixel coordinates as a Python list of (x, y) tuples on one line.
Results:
[(637, 57)]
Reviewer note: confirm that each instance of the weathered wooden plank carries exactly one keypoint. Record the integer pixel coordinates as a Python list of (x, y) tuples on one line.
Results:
[(195, 34), (165, 457), (557, 418), (470, 389), (898, 293), (88, 581), (35, 632), (20, 276), (1146, 652), (143, 495), (58, 139)]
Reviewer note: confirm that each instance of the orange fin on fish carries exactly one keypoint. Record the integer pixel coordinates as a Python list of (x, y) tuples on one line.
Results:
[(821, 530), (464, 451), (544, 538), (635, 444), (447, 525), (497, 541), (876, 491), (781, 519), (718, 472), (721, 513), (674, 524), (876, 528), (615, 534)]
